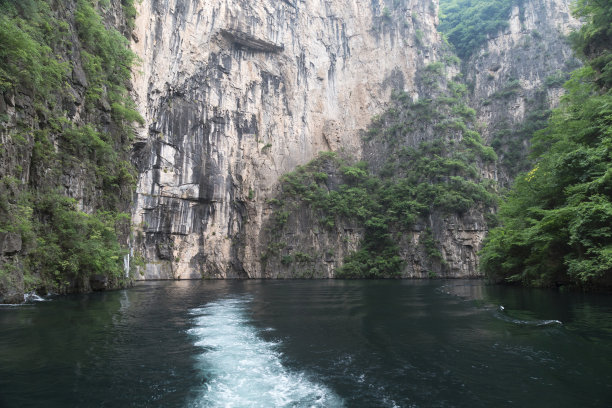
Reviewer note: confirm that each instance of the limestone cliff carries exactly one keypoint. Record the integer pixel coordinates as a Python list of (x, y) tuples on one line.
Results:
[(235, 94), (232, 96), (516, 78), (65, 129)]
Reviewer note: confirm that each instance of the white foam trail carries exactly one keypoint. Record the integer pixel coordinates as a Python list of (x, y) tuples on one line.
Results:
[(502, 316), (240, 369), (33, 297)]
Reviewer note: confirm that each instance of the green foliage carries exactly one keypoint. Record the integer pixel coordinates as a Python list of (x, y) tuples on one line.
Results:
[(467, 23), (592, 41), (73, 245), (64, 246), (430, 244), (510, 144), (107, 60), (372, 262), (386, 13), (556, 80), (301, 257), (418, 36), (512, 88), (557, 220), (286, 260), (439, 176), (16, 210), (41, 42), (27, 60), (129, 11)]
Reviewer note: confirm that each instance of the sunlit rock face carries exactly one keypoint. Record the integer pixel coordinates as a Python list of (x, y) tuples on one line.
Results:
[(237, 93)]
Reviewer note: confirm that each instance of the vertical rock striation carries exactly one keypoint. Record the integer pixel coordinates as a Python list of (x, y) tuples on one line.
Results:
[(517, 77), (237, 93)]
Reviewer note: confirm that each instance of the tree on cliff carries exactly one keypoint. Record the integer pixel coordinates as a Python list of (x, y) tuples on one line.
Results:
[(557, 219)]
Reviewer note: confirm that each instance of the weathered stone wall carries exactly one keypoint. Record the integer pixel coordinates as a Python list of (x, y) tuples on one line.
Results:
[(237, 93), (519, 72)]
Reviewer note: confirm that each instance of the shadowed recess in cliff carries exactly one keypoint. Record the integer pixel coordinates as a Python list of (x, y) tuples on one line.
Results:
[(238, 368)]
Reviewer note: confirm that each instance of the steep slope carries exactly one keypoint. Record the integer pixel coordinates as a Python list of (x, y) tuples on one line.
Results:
[(557, 221), (236, 100), (516, 77), (65, 128), (422, 203), (417, 205), (236, 94)]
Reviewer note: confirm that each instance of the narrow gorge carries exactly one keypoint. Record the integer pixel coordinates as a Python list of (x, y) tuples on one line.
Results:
[(276, 139), (237, 95)]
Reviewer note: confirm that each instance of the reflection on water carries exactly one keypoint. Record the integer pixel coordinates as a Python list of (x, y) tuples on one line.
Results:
[(304, 343)]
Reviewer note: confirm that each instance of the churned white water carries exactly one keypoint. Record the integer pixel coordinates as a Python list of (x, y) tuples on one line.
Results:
[(239, 369)]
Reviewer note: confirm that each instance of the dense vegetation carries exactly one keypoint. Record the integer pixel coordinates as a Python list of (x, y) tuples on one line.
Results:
[(411, 181), (467, 23), (557, 220), (44, 44)]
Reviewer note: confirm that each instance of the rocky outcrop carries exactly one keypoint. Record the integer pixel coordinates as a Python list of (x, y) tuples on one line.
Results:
[(235, 94), (517, 77), (10, 243), (62, 144)]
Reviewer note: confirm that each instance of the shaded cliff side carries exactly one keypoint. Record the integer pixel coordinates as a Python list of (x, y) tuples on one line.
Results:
[(516, 78), (66, 127), (416, 206), (235, 100)]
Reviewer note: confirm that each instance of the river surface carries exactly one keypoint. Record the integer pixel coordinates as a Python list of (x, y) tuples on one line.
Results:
[(309, 344)]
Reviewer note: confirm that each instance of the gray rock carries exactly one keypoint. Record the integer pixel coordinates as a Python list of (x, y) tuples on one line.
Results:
[(3, 106), (23, 101), (98, 282), (11, 298), (10, 243), (10, 99), (78, 76), (164, 250), (105, 105)]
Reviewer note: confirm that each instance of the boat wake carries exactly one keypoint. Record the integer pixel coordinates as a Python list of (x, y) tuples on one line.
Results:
[(32, 297), (502, 315), (28, 299), (239, 369)]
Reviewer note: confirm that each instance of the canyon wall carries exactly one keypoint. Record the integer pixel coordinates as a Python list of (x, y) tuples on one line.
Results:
[(65, 147), (516, 77), (237, 93)]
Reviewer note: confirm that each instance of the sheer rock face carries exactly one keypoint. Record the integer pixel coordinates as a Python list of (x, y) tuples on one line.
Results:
[(237, 93), (519, 72)]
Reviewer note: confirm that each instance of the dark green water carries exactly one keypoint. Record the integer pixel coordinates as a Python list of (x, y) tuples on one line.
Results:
[(304, 343)]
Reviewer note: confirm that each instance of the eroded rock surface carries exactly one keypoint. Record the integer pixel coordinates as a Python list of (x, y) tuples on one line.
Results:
[(517, 76), (237, 93)]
